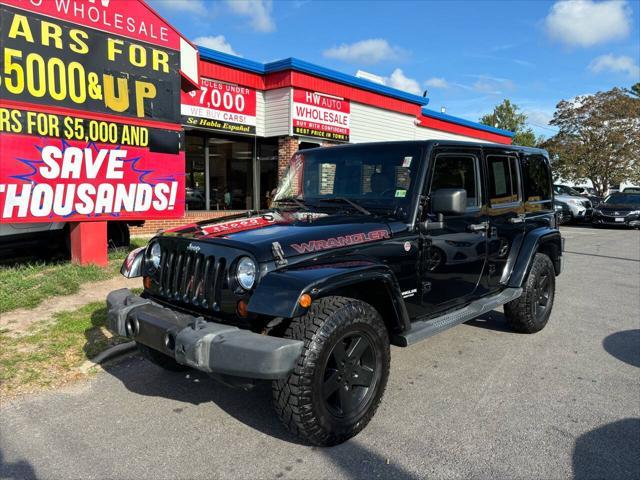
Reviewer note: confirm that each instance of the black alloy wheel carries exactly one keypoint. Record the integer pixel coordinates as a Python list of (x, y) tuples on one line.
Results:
[(350, 376), (541, 296)]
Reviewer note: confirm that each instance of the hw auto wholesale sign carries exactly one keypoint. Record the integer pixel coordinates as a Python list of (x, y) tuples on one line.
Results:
[(89, 112), (220, 106), (321, 116)]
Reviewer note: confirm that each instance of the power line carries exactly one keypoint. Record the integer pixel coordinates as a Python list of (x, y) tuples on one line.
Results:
[(542, 126)]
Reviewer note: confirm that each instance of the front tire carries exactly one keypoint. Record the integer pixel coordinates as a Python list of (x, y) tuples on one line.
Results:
[(530, 313), (338, 382)]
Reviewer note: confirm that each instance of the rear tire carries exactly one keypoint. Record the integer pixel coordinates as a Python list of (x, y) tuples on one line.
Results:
[(530, 312), (118, 234), (338, 382), (160, 359)]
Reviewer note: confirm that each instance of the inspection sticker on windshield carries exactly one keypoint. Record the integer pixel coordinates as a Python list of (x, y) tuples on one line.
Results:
[(401, 193), (407, 162)]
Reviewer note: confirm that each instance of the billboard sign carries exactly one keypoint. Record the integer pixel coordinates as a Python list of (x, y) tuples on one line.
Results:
[(89, 112), (220, 106), (319, 115)]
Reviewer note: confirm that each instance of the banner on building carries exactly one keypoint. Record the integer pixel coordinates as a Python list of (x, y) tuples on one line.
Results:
[(89, 112), (220, 106), (318, 115)]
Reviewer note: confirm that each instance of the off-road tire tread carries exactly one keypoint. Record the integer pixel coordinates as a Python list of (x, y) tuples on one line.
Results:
[(160, 359), (292, 395), (519, 311)]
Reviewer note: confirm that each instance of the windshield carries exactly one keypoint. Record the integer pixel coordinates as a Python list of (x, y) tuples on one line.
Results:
[(564, 190), (371, 176), (632, 199)]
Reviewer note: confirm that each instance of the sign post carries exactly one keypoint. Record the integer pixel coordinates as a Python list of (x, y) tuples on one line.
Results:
[(90, 116)]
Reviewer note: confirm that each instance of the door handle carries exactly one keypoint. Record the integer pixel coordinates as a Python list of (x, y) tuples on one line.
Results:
[(518, 219), (478, 227)]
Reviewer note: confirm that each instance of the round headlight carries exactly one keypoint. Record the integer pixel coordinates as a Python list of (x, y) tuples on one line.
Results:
[(154, 255), (246, 273)]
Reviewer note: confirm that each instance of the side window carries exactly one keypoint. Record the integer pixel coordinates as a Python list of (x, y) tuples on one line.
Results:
[(457, 171), (537, 179), (503, 180)]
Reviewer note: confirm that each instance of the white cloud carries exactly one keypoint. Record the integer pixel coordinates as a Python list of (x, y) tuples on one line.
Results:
[(611, 63), (196, 7), (216, 43), (258, 12), (400, 81), (584, 23), (397, 79), (366, 52), (436, 82)]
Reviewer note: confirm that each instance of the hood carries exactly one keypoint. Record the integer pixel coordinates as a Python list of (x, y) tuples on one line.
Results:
[(566, 198), (623, 207), (297, 233)]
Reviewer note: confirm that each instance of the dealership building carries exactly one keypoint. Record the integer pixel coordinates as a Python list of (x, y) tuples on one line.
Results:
[(248, 118)]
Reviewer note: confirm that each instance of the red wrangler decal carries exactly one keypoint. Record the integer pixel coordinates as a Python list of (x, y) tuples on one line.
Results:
[(335, 242), (235, 226)]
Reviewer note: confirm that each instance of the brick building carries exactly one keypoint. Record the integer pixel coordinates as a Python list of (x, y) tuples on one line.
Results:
[(249, 118)]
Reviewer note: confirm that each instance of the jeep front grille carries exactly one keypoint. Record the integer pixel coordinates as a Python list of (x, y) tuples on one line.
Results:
[(191, 277)]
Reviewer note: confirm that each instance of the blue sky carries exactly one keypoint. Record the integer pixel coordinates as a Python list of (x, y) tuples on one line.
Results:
[(469, 55)]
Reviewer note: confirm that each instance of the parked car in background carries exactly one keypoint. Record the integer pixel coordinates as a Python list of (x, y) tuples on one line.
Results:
[(631, 190), (580, 207), (618, 209), (590, 193)]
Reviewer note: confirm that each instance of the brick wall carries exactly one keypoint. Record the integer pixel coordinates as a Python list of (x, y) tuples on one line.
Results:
[(150, 227), (287, 146)]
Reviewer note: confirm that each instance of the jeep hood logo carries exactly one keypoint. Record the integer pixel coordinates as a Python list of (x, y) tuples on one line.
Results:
[(193, 248)]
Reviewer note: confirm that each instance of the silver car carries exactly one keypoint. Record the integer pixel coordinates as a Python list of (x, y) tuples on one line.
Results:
[(580, 207)]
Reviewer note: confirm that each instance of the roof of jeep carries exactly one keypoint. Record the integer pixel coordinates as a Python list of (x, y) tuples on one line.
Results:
[(440, 143)]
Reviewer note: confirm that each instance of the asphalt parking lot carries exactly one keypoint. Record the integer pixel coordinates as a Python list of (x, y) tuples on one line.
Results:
[(477, 401)]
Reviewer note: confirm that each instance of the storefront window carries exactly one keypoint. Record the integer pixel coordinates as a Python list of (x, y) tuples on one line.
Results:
[(195, 170), (230, 173)]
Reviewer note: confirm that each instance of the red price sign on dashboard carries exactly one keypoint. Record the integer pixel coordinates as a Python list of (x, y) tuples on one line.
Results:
[(220, 106)]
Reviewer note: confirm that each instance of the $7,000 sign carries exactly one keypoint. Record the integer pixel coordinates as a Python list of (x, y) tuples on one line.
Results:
[(220, 106)]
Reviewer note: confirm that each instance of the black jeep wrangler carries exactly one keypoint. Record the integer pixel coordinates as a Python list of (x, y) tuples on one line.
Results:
[(365, 246)]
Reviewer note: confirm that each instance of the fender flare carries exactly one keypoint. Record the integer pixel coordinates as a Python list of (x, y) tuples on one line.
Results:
[(278, 291), (531, 244)]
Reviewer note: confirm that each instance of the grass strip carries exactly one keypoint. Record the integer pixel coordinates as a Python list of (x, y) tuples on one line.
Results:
[(28, 283), (50, 354)]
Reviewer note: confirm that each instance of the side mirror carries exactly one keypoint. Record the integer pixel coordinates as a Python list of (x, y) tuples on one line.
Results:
[(449, 201)]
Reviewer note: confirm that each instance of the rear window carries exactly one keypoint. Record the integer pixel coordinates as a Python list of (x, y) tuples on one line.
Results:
[(622, 198), (537, 178), (503, 180)]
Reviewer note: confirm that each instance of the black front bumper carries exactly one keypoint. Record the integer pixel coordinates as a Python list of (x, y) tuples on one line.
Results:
[(207, 346), (610, 220)]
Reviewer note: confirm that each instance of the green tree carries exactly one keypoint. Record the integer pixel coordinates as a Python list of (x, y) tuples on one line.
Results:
[(508, 117), (598, 139), (635, 89)]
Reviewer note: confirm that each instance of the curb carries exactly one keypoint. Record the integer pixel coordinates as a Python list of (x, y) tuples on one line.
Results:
[(108, 354)]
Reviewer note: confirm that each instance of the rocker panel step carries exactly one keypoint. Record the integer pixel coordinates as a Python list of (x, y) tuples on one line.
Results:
[(422, 329)]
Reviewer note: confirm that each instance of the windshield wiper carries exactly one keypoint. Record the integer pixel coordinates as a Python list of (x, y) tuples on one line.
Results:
[(360, 208), (291, 200)]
